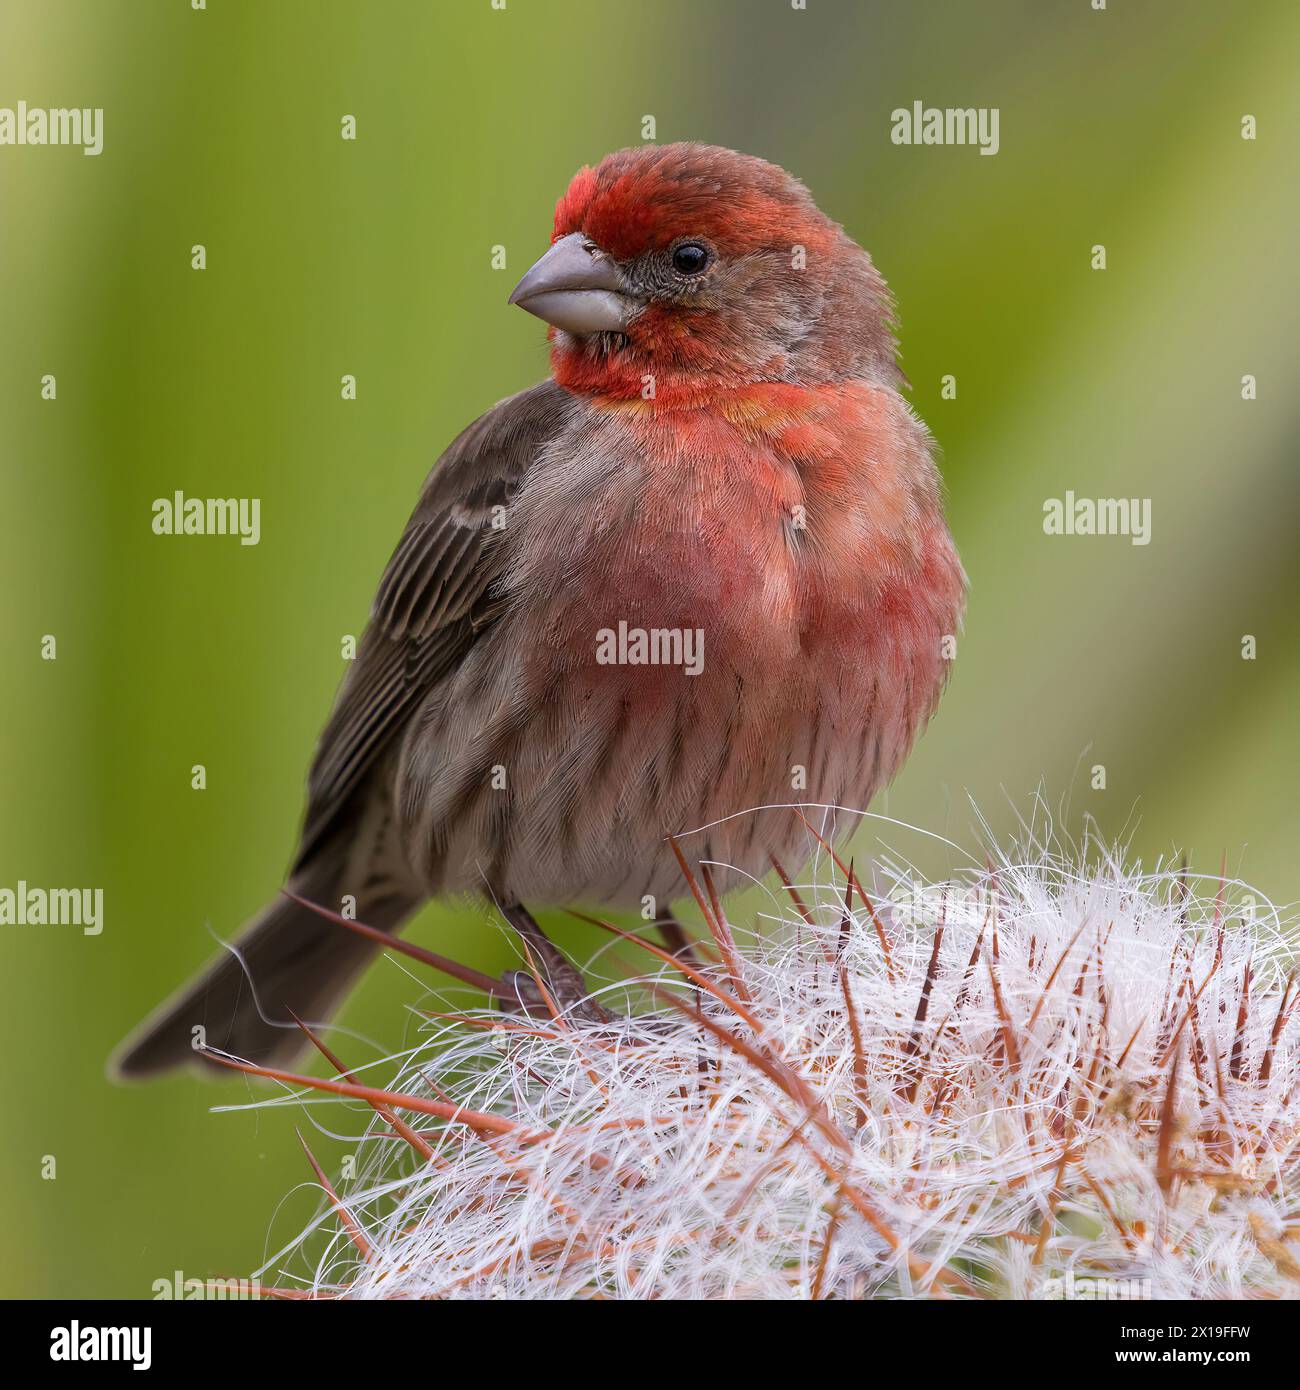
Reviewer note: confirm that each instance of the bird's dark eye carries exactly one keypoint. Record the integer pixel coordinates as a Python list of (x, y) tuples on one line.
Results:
[(690, 258)]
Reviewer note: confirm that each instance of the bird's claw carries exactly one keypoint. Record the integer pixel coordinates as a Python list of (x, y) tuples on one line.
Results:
[(521, 993)]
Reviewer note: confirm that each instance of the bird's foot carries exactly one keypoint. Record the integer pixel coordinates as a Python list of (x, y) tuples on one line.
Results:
[(521, 994), (526, 992), (675, 937)]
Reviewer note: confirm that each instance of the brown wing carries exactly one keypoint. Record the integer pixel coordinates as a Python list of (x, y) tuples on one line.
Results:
[(435, 597)]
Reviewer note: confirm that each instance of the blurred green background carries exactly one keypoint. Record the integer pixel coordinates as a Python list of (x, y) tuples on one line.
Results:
[(222, 127)]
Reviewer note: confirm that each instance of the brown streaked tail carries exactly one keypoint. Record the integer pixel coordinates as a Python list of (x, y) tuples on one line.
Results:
[(289, 961)]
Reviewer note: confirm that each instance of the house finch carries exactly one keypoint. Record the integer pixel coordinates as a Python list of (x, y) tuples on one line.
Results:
[(703, 569)]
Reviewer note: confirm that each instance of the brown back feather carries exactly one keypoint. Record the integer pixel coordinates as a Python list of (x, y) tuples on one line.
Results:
[(434, 600)]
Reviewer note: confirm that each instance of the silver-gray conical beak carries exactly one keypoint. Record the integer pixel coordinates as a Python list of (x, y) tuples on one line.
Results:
[(578, 288)]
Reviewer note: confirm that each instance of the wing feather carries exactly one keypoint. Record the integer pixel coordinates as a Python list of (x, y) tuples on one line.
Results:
[(434, 600)]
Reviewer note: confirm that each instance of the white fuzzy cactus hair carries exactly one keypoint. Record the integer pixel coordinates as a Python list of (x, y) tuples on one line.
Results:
[(1052, 1073)]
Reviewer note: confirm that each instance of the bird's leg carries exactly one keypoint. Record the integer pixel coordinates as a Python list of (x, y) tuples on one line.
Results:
[(675, 938), (563, 980)]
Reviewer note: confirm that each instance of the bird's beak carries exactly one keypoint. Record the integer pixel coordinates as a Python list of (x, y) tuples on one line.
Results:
[(578, 288)]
